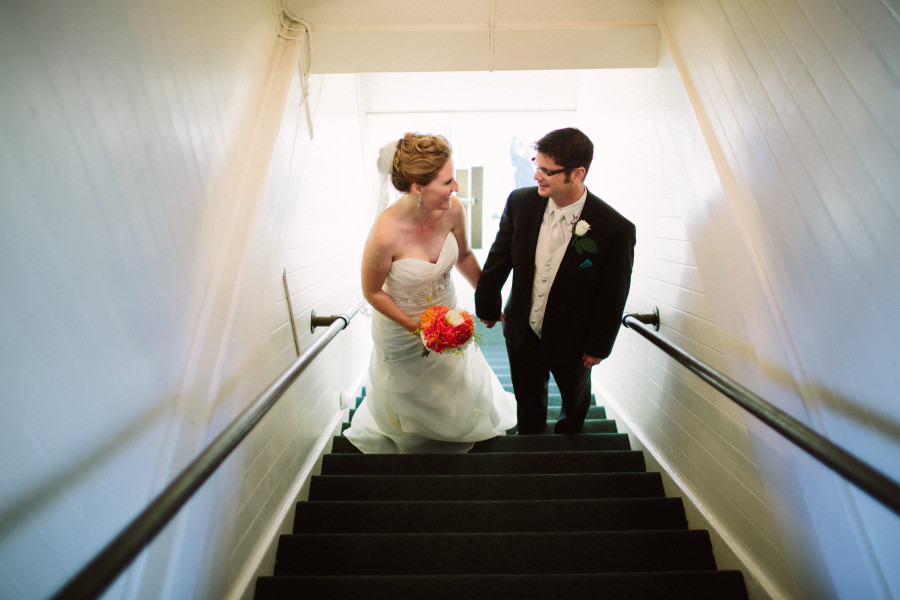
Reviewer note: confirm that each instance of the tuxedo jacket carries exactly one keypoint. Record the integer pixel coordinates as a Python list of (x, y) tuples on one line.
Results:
[(587, 298)]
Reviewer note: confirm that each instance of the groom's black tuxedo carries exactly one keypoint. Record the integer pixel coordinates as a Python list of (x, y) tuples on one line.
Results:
[(584, 306)]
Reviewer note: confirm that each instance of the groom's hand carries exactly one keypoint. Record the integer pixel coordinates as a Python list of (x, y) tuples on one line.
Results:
[(590, 361), (489, 324)]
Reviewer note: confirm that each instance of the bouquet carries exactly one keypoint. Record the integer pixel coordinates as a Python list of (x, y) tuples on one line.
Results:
[(444, 329)]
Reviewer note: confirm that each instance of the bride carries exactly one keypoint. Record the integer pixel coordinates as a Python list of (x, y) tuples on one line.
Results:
[(414, 403)]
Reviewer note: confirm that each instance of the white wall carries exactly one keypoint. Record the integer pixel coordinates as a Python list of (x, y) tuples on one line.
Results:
[(323, 243), (684, 427), (151, 158), (777, 131)]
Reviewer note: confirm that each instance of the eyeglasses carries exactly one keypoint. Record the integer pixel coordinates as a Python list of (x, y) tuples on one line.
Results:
[(547, 173)]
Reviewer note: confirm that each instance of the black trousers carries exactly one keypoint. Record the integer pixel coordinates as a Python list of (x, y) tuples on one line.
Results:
[(530, 368)]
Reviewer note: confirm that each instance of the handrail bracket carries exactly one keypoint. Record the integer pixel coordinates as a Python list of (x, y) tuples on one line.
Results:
[(645, 318), (316, 321)]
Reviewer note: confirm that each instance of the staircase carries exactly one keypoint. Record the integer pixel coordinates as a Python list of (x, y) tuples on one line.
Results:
[(535, 517)]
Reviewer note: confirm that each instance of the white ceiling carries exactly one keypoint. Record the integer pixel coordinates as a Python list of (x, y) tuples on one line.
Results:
[(500, 91), (358, 36), (440, 15)]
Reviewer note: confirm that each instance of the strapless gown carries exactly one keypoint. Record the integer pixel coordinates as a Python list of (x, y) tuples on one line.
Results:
[(426, 404)]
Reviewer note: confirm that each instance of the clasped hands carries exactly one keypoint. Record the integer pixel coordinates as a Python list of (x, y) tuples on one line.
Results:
[(489, 324)]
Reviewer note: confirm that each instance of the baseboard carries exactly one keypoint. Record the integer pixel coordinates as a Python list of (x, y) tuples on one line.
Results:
[(262, 560), (354, 390), (730, 554)]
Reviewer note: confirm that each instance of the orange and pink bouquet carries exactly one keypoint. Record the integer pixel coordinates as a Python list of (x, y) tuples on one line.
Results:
[(442, 328)]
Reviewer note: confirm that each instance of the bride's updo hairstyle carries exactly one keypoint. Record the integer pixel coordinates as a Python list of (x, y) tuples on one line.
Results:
[(419, 159)]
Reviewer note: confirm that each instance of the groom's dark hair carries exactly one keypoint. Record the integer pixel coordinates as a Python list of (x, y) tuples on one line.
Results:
[(569, 147)]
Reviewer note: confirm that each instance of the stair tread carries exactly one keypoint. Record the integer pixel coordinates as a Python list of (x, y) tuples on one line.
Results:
[(648, 585), (595, 412), (577, 461), (590, 426), (596, 440), (486, 487), (489, 515), (536, 516), (504, 552), (527, 443)]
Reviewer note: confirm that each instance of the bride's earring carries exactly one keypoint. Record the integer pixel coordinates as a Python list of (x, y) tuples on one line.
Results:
[(419, 202)]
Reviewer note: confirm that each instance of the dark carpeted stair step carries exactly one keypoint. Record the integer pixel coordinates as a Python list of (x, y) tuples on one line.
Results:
[(486, 487), (552, 443), (591, 426), (470, 553), (672, 585), (597, 425), (530, 517), (489, 516), (529, 443), (594, 412), (507, 463)]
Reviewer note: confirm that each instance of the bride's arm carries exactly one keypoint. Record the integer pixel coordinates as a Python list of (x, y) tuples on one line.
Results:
[(466, 264), (376, 262), (469, 267)]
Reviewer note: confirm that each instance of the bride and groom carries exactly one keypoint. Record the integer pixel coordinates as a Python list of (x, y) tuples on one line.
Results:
[(570, 256)]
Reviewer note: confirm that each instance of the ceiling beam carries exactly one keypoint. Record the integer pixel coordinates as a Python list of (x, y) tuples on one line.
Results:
[(631, 46)]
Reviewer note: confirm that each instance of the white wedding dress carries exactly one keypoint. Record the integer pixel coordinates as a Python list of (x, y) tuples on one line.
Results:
[(426, 404)]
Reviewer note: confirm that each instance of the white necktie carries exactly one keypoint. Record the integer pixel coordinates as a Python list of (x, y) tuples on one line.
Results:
[(557, 233)]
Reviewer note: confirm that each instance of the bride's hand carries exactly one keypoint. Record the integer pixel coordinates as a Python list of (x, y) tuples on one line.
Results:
[(414, 328)]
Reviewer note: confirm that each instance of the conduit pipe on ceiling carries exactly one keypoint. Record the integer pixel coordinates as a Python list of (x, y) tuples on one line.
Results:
[(289, 30), (492, 25)]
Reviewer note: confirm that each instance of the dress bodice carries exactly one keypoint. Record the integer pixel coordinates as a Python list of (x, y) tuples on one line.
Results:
[(411, 282)]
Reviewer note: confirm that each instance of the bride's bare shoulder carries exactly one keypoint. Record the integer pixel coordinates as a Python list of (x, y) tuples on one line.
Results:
[(387, 230)]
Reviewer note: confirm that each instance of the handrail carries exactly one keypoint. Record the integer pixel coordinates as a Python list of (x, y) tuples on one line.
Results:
[(106, 566), (861, 474)]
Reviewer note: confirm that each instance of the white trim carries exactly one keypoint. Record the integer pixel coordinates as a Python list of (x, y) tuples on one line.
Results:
[(728, 550), (359, 381), (261, 561)]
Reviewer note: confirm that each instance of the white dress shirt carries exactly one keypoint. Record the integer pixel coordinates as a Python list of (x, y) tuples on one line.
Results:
[(546, 262)]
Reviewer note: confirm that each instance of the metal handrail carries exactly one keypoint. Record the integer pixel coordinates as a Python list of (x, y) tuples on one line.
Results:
[(106, 566), (861, 474)]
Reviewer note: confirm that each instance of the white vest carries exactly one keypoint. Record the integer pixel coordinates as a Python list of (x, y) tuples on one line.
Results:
[(546, 263)]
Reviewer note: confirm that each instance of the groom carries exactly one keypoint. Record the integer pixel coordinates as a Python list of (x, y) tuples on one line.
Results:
[(571, 256)]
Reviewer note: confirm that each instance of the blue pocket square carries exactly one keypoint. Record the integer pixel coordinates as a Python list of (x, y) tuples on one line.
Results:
[(587, 263)]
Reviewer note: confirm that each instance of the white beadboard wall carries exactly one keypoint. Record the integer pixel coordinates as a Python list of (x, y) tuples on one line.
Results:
[(152, 154), (683, 425), (157, 176), (776, 126)]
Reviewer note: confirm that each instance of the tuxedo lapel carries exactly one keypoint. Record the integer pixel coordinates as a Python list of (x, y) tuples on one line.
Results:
[(535, 220), (527, 224)]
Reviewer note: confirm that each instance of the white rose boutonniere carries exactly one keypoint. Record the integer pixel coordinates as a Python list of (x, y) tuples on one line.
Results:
[(581, 228), (579, 241)]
